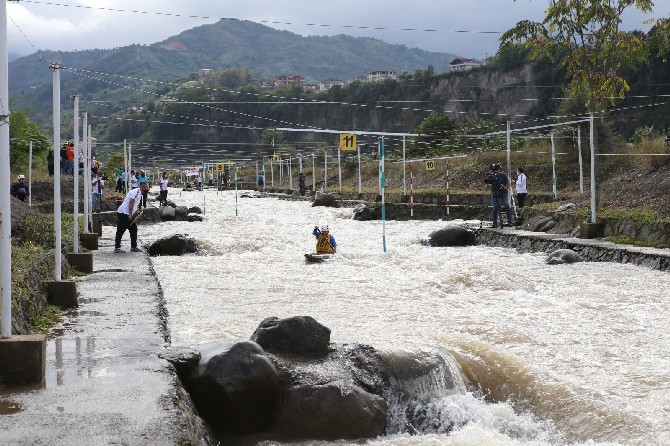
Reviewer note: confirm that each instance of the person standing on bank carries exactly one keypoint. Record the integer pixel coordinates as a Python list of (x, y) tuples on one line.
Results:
[(96, 191), (301, 183), (164, 189), (126, 214), (521, 190), (500, 191)]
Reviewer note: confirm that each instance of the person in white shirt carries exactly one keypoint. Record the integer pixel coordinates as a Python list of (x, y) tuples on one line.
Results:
[(133, 180), (126, 214), (521, 190), (164, 189), (96, 191)]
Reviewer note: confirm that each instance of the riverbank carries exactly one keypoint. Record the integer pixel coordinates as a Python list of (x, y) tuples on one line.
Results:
[(105, 382)]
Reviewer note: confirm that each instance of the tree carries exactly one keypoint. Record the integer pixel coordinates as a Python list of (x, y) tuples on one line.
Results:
[(21, 131), (436, 133), (584, 38)]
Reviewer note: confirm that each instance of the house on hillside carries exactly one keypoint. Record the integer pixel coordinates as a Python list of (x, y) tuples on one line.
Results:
[(380, 75), (327, 84), (289, 79), (203, 72), (460, 64)]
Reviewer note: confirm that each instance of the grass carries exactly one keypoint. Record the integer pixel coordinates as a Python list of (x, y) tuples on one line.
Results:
[(51, 316), (627, 240)]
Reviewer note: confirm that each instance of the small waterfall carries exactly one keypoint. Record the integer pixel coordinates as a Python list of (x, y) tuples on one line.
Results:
[(424, 394)]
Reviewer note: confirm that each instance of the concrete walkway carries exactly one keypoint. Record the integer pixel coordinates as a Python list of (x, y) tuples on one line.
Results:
[(105, 383)]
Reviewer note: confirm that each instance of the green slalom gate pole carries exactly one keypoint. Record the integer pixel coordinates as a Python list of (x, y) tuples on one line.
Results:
[(236, 191)]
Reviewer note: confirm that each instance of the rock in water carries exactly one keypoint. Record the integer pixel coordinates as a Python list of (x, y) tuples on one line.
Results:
[(451, 236), (299, 335), (561, 256)]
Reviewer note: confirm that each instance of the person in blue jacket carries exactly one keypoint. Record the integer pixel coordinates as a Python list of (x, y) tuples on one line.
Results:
[(325, 243)]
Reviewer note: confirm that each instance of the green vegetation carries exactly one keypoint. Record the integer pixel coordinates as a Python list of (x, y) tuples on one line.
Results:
[(626, 240)]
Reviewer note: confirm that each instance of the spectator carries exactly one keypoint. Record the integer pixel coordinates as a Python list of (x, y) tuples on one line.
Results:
[(20, 188)]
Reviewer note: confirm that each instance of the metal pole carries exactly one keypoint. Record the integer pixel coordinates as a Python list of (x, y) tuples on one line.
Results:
[(509, 150), (125, 162), (75, 172), (325, 171), (358, 150), (404, 182), (579, 152), (339, 166), (382, 181), (272, 174), (5, 200), (448, 180), (236, 190), (553, 168), (411, 189), (57, 199), (314, 174), (593, 170), (30, 172), (87, 169), (290, 174)]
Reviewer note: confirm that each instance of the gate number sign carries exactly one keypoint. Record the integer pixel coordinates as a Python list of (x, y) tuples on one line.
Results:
[(430, 165), (219, 167), (347, 141)]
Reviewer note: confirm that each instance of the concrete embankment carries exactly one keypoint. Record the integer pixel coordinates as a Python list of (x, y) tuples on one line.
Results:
[(105, 382), (593, 250)]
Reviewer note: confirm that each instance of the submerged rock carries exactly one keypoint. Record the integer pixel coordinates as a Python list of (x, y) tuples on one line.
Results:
[(326, 200), (561, 256)]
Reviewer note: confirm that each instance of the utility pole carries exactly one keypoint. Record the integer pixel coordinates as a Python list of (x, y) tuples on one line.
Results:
[(55, 68), (5, 204)]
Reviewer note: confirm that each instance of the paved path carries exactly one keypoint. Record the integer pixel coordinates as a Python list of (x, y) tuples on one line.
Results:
[(105, 383)]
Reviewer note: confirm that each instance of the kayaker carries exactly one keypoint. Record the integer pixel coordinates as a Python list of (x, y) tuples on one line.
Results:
[(325, 243)]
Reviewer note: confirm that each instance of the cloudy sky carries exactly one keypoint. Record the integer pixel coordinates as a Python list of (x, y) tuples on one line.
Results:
[(83, 24)]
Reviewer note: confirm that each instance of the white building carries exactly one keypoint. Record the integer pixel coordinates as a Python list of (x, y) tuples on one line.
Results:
[(461, 64), (380, 75), (327, 84)]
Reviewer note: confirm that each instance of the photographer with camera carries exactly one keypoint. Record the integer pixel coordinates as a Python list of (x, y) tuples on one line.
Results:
[(499, 191)]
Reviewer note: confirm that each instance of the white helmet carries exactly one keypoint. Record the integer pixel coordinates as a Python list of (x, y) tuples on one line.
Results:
[(325, 228), (22, 177)]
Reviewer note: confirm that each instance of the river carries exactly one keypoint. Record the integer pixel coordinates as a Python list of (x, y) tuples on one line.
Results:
[(560, 354)]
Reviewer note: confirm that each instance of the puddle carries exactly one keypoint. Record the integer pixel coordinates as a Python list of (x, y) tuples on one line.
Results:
[(8, 407)]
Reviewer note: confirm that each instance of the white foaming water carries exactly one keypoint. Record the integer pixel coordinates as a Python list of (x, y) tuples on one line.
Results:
[(561, 354)]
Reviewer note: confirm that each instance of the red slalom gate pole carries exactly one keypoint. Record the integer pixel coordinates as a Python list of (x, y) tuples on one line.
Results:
[(448, 180)]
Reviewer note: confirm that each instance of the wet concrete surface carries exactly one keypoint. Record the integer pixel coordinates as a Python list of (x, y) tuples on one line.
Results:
[(105, 383)]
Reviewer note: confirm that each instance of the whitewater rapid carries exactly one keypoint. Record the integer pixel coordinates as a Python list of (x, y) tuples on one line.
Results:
[(556, 354)]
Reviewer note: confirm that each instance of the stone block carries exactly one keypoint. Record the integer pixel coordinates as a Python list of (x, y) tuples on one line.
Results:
[(591, 230), (62, 293), (81, 261), (89, 240), (23, 359), (97, 227)]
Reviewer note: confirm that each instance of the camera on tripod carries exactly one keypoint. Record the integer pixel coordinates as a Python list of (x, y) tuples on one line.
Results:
[(491, 177)]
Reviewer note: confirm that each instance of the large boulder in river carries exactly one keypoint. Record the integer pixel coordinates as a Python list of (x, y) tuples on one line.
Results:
[(235, 387), (299, 335), (366, 212), (175, 245), (331, 411), (168, 213), (326, 200), (561, 256), (451, 236)]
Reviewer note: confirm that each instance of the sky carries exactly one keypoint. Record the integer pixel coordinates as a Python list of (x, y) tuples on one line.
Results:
[(67, 25)]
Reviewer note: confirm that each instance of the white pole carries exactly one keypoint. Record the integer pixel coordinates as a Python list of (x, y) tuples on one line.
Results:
[(290, 174), (57, 199), (404, 168), (358, 150), (30, 172), (5, 201), (339, 167), (553, 168), (75, 172), (272, 174), (125, 162), (264, 177), (593, 170), (314, 174), (236, 189), (130, 160), (325, 171), (509, 150), (86, 134), (382, 180), (581, 167)]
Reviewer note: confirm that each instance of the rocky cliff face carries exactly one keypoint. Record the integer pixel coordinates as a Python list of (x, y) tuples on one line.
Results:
[(488, 92)]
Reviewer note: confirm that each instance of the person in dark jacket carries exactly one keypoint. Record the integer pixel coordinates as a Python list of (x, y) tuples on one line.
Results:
[(20, 188)]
